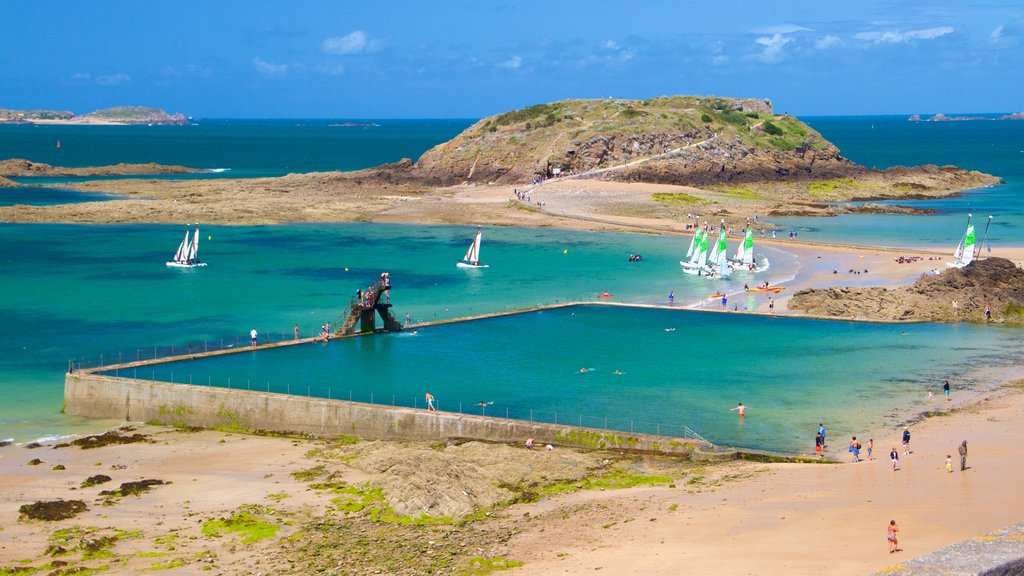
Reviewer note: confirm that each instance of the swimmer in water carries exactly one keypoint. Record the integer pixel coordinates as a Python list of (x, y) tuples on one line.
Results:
[(670, 329), (617, 373), (742, 409)]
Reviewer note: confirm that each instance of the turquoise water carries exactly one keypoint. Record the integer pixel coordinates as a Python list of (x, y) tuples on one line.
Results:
[(80, 292), (881, 142), (246, 147), (86, 292), (44, 196), (679, 368)]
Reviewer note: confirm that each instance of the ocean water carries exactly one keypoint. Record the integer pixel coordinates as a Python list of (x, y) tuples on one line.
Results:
[(92, 293), (98, 293), (994, 147), (246, 148), (45, 196), (678, 369)]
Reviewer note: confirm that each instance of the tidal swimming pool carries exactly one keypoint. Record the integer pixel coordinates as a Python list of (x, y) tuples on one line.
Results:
[(649, 370)]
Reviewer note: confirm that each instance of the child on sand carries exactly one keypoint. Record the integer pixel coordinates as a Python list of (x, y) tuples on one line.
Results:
[(891, 536), (871, 448), (949, 463), (894, 455)]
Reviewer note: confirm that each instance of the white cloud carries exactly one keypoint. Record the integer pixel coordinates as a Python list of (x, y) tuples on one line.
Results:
[(82, 76), (512, 63), (269, 68), (996, 35), (781, 29), (903, 36), (827, 42), (610, 45), (357, 42), (773, 46), (113, 79)]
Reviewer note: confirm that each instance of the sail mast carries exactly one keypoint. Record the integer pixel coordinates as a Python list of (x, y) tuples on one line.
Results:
[(984, 236)]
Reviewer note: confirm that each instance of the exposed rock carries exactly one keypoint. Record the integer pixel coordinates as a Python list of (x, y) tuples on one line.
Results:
[(52, 510), (18, 167), (5, 183), (993, 281)]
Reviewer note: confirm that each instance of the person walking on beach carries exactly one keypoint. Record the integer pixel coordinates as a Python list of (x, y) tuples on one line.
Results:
[(855, 448), (252, 337), (891, 536), (963, 455), (945, 389), (906, 440), (742, 409), (871, 448), (894, 455), (430, 403), (821, 430), (771, 305)]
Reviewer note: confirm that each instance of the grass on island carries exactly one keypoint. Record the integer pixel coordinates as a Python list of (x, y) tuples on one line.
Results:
[(479, 565), (678, 199), (246, 522), (741, 192)]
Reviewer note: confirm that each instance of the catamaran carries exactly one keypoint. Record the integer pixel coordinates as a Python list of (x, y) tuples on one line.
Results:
[(472, 257), (744, 259), (719, 267), (965, 249), (187, 255), (697, 264)]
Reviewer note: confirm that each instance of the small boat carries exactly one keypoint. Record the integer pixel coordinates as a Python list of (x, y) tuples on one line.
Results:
[(472, 257), (187, 255), (604, 294), (744, 260), (716, 295), (775, 289), (965, 251), (698, 255)]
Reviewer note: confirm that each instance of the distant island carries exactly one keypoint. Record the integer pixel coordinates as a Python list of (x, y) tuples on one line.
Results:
[(354, 125), (119, 115), (940, 117)]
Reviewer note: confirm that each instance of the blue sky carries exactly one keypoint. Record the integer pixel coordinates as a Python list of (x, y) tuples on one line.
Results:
[(466, 59)]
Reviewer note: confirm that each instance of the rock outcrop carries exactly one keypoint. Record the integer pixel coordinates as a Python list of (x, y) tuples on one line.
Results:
[(116, 115), (996, 282), (19, 167)]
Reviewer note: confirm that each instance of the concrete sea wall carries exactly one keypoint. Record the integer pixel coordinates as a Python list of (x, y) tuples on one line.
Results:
[(99, 396)]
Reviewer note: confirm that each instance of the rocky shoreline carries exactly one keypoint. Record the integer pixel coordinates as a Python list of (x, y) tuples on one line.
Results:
[(21, 168)]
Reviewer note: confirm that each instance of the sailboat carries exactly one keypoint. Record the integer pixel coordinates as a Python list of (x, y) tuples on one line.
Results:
[(964, 253), (697, 264), (744, 259), (720, 257), (187, 255), (472, 257)]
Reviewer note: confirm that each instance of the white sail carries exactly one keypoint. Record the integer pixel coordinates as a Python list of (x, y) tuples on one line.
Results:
[(748, 247), (722, 263), (742, 248), (182, 254), (194, 248), (968, 252), (472, 257), (964, 253), (693, 242), (187, 254)]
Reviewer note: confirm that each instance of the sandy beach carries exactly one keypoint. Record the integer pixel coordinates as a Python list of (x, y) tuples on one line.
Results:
[(734, 518), (731, 518)]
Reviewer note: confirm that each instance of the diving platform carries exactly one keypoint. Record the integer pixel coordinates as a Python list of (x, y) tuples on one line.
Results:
[(360, 316)]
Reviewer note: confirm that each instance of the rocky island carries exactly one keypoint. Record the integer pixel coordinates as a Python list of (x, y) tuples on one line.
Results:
[(107, 116), (628, 163)]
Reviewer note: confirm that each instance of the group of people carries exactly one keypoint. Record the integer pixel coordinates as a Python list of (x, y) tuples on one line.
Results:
[(635, 257)]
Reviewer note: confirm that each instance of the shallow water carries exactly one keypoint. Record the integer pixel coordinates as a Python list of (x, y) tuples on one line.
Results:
[(678, 368), (82, 291)]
